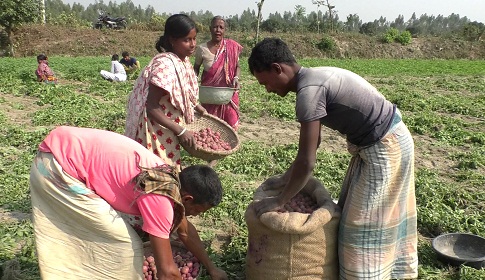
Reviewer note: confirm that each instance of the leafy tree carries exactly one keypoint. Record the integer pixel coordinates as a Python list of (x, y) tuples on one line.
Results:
[(369, 28), (248, 17), (15, 12), (272, 25), (473, 31), (353, 23), (399, 23)]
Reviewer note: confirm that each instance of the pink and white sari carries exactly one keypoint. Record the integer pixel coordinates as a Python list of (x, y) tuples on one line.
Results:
[(221, 74), (177, 77)]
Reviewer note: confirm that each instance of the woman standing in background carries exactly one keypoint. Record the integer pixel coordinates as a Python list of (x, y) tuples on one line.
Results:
[(220, 59)]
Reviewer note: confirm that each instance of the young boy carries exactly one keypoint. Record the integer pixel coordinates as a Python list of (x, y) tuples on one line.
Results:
[(378, 229), (130, 63), (44, 73)]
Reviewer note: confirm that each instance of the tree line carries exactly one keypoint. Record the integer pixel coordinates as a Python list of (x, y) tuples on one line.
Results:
[(325, 20)]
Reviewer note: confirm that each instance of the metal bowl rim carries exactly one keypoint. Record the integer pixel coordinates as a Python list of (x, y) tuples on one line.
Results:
[(433, 243)]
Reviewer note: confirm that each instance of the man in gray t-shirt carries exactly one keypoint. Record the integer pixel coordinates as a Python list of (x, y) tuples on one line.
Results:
[(344, 101), (377, 236)]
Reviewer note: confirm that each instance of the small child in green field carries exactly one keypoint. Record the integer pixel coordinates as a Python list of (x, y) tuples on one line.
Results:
[(44, 73)]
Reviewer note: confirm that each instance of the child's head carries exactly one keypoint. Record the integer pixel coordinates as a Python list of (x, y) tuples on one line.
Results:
[(115, 57), (125, 55), (267, 52), (41, 57)]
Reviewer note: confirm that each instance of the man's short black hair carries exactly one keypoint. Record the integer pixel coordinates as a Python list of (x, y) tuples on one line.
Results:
[(267, 52), (203, 183), (125, 54)]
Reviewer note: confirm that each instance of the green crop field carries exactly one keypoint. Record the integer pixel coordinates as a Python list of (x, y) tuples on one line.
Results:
[(442, 101)]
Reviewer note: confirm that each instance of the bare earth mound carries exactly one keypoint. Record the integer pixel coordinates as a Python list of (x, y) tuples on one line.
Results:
[(67, 41)]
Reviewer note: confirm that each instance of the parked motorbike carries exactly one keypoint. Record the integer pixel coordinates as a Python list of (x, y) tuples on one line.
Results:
[(106, 21)]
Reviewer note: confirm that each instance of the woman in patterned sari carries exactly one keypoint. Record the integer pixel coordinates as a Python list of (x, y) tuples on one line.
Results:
[(220, 59), (165, 95)]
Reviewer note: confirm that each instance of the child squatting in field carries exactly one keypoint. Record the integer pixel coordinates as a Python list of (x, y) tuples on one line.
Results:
[(44, 73), (377, 236)]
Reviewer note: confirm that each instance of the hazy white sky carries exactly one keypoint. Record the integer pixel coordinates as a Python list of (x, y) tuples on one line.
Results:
[(367, 10)]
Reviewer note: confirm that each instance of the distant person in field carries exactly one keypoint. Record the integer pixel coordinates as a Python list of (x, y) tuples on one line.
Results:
[(378, 230), (117, 72), (131, 64), (165, 96), (44, 73), (85, 183), (220, 60)]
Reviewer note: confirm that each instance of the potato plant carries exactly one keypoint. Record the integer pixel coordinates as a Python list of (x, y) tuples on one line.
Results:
[(442, 102)]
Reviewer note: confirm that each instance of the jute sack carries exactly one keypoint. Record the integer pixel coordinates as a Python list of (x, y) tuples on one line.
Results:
[(292, 245)]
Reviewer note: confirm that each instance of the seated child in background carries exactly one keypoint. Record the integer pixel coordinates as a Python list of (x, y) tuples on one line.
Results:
[(117, 73), (44, 73), (130, 63)]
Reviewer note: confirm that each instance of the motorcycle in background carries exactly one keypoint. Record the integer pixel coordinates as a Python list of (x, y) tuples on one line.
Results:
[(106, 21)]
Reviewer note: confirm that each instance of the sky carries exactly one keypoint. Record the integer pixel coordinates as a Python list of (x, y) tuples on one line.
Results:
[(368, 10)]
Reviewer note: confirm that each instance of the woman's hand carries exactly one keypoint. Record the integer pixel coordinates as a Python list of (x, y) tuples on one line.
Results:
[(266, 205), (218, 274), (235, 83), (201, 110), (187, 138)]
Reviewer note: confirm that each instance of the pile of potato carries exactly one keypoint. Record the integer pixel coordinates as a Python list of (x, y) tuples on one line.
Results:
[(149, 268), (209, 139), (187, 264), (301, 202)]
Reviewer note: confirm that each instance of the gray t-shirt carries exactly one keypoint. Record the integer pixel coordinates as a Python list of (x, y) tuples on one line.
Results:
[(344, 101)]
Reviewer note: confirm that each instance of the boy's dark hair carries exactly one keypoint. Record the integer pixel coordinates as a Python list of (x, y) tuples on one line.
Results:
[(41, 57), (203, 183), (176, 26), (115, 57), (268, 51), (125, 54)]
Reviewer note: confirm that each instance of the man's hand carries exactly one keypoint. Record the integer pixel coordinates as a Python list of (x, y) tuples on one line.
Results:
[(266, 205), (273, 183), (218, 274)]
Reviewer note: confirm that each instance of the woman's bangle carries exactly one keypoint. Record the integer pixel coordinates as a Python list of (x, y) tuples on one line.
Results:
[(182, 132), (236, 78)]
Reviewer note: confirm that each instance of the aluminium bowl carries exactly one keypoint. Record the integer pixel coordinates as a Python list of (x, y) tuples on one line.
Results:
[(215, 95), (460, 249)]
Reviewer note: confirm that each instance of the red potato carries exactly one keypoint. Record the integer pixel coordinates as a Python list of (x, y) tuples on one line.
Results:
[(209, 139), (301, 203), (187, 264)]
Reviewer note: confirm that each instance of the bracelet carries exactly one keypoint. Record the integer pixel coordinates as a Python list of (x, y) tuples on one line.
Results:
[(182, 132), (236, 78)]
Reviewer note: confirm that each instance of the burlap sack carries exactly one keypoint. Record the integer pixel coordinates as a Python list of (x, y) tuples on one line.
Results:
[(293, 246)]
